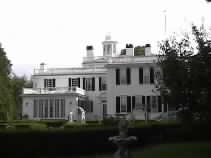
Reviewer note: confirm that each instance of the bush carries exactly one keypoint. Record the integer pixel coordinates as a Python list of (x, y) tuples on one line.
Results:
[(92, 122), (3, 126), (110, 121), (25, 117), (81, 138), (23, 126), (54, 123)]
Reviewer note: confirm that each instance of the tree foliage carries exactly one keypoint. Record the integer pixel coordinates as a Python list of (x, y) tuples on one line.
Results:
[(10, 89), (187, 73), (6, 101)]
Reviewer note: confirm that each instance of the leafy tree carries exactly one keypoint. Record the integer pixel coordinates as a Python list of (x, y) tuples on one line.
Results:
[(200, 72), (17, 84), (6, 101), (186, 74)]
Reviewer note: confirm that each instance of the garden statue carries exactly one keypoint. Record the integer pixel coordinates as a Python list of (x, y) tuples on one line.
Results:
[(122, 141), (81, 117), (71, 117)]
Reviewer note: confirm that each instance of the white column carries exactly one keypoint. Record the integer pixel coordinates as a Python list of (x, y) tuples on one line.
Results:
[(81, 82), (97, 83), (162, 107)]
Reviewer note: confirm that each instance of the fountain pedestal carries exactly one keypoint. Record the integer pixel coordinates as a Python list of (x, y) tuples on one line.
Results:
[(123, 140)]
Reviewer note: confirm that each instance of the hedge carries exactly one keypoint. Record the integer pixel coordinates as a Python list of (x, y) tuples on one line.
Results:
[(85, 139)]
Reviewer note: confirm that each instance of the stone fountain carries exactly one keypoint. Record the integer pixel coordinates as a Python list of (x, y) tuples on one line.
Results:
[(123, 140)]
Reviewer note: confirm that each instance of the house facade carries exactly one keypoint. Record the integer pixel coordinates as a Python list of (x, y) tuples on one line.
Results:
[(109, 85)]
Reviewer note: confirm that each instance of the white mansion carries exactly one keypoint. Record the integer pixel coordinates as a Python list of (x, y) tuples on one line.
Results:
[(109, 85)]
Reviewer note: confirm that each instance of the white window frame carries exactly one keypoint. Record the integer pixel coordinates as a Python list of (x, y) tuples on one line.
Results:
[(88, 84), (122, 104), (123, 76)]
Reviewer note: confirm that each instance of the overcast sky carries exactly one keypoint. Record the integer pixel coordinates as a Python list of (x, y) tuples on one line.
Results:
[(56, 32)]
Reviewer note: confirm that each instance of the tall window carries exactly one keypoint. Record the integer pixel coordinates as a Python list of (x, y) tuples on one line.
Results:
[(128, 73), (159, 104), (123, 76), (117, 104), (46, 108), (57, 108), (152, 78), (154, 104), (117, 76), (141, 75), (133, 102), (35, 108), (89, 84), (62, 108), (138, 102), (40, 108), (143, 101), (129, 108), (148, 104), (51, 107), (146, 79), (123, 104), (49, 83), (102, 83)]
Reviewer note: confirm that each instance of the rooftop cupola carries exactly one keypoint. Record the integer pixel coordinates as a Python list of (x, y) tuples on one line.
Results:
[(42, 67), (109, 46)]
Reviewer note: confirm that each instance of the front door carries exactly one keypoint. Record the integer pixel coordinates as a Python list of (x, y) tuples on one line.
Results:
[(104, 110)]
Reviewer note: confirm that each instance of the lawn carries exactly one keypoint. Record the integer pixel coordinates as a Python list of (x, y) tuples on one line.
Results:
[(180, 150)]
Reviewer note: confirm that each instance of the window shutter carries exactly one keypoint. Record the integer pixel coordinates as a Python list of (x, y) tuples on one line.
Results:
[(117, 76), (159, 104), (54, 82), (148, 104), (100, 83), (128, 103), (79, 82), (140, 75), (84, 83), (91, 104), (117, 104), (70, 82), (165, 107), (45, 83), (143, 100), (151, 75), (128, 76), (133, 102), (93, 83)]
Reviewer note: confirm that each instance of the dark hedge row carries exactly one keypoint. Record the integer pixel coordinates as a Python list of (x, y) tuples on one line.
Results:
[(92, 140)]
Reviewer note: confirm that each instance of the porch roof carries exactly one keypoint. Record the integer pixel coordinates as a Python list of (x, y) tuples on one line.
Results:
[(54, 91)]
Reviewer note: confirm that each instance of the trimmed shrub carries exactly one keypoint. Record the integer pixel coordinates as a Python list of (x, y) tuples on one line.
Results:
[(110, 121), (54, 123), (83, 139), (3, 126), (23, 126)]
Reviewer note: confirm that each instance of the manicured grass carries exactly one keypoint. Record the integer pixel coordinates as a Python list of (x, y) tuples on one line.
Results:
[(180, 150), (184, 150)]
